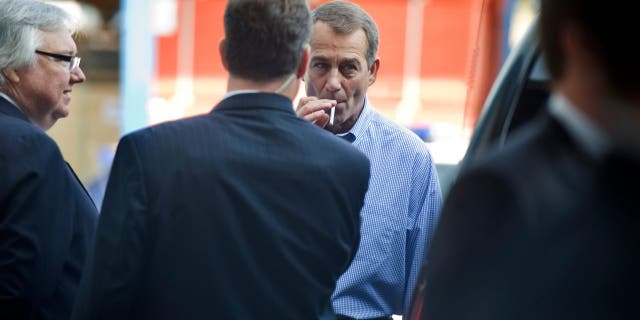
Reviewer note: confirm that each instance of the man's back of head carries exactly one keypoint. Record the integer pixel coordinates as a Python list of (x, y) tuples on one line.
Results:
[(606, 29), (265, 39), (593, 62)]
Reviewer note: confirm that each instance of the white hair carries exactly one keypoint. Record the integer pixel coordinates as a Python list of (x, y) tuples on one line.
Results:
[(20, 24)]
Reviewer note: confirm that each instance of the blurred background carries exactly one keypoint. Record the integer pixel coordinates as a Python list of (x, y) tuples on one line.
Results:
[(149, 61)]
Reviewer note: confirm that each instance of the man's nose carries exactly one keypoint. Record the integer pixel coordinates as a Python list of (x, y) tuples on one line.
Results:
[(77, 76), (333, 81)]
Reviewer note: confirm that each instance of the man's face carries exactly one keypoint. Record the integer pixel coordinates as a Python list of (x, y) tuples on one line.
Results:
[(44, 91), (338, 70)]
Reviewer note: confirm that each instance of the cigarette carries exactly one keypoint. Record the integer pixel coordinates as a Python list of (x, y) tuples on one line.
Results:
[(333, 113)]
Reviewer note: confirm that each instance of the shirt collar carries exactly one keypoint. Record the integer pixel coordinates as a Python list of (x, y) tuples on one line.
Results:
[(237, 92), (580, 127)]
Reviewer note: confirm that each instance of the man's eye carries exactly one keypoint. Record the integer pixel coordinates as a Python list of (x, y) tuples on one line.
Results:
[(320, 65), (349, 68)]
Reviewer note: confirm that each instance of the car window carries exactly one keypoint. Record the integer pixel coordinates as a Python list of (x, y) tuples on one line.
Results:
[(533, 98), (518, 94)]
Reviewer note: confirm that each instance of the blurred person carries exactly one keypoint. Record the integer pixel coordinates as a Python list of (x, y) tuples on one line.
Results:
[(247, 212), (546, 228), (402, 204), (47, 219)]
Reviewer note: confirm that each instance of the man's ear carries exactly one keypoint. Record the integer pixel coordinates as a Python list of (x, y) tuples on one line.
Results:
[(223, 56), (304, 62), (373, 70), (11, 74), (574, 44)]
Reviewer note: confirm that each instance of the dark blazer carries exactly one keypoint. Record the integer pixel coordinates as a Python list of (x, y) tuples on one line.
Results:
[(245, 213), (528, 234), (47, 221)]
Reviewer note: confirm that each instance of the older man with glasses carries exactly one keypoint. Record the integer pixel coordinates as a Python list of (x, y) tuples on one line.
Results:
[(47, 219)]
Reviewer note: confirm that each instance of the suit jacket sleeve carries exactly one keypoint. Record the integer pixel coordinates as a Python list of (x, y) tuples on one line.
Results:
[(35, 223), (113, 275), (474, 247)]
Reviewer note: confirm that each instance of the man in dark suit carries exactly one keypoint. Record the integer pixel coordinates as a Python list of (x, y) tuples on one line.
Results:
[(542, 229), (47, 219), (247, 212)]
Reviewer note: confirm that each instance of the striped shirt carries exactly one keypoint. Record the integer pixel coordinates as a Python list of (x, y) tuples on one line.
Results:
[(399, 216)]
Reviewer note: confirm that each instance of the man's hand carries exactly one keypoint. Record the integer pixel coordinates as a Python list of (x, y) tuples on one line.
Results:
[(315, 110)]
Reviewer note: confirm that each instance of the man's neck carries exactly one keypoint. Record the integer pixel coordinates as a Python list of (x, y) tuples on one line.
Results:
[(621, 119), (276, 86), (618, 118)]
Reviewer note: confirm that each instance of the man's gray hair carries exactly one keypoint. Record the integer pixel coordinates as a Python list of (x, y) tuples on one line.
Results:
[(20, 23), (344, 18)]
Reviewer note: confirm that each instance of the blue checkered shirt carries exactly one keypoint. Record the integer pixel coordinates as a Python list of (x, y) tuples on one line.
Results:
[(399, 216)]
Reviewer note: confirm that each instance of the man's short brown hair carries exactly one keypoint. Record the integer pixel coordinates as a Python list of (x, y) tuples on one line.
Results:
[(265, 39)]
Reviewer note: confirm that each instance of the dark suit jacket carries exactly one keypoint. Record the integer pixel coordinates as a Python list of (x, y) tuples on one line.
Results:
[(245, 213), (47, 222), (528, 234)]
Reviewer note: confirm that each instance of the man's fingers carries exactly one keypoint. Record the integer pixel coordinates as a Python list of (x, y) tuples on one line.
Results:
[(319, 118), (314, 116), (305, 100), (309, 105)]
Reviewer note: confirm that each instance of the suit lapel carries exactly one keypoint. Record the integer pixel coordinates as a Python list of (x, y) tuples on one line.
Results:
[(7, 108), (79, 182)]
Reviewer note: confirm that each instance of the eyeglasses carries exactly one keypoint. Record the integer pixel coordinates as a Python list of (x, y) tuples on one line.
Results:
[(74, 62)]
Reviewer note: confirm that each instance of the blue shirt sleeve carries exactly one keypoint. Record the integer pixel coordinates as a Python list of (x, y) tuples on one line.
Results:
[(424, 209)]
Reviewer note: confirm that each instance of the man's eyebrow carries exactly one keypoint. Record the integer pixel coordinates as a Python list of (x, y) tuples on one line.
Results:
[(319, 58), (351, 60)]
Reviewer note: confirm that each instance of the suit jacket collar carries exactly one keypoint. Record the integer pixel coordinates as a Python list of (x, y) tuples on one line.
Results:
[(7, 108), (582, 129), (259, 100), (571, 161)]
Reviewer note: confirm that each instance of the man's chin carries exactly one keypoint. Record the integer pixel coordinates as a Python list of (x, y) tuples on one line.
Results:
[(50, 121), (46, 125), (60, 113), (334, 128)]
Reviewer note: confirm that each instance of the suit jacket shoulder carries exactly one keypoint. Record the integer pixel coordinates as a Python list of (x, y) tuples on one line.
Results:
[(496, 223), (46, 221), (540, 162), (25, 148)]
